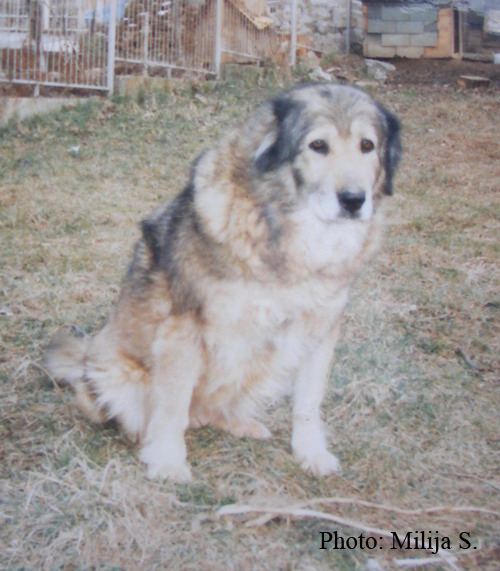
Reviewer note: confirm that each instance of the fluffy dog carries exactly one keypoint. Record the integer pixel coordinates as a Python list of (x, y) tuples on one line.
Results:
[(236, 287)]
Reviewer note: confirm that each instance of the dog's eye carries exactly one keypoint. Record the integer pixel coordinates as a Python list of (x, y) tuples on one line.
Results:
[(367, 146), (319, 146)]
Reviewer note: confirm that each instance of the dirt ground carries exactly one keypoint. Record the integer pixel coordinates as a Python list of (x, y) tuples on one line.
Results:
[(440, 73)]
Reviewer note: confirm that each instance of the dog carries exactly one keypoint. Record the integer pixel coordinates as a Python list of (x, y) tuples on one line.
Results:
[(236, 288)]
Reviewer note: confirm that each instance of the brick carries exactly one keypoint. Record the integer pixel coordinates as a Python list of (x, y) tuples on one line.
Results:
[(408, 52), (380, 27), (376, 50), (421, 40), (394, 40), (409, 27)]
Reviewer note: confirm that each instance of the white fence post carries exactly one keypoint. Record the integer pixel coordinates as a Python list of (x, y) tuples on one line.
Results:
[(145, 42), (111, 47), (348, 27), (219, 15), (293, 35)]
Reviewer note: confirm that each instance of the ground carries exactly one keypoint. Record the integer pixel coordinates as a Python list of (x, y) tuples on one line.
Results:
[(439, 73), (412, 408)]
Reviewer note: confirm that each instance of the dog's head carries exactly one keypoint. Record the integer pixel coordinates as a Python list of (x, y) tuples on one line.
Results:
[(338, 146)]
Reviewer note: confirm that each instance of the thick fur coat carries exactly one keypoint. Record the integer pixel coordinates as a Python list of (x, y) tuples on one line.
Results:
[(236, 288)]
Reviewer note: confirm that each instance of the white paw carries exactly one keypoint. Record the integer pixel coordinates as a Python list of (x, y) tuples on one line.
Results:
[(175, 473), (320, 464), (166, 466)]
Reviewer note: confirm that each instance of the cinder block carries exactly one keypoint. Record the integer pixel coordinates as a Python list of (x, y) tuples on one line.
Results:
[(431, 27), (410, 53), (394, 40), (425, 14), (377, 51), (427, 39), (409, 27), (416, 13), (430, 15), (381, 27), (374, 12), (395, 13)]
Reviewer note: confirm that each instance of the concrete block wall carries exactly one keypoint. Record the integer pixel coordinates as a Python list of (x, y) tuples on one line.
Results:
[(320, 23), (403, 30)]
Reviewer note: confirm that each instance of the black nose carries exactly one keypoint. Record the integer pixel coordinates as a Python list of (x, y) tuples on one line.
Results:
[(351, 201)]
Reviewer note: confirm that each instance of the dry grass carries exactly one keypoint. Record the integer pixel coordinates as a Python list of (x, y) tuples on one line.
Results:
[(413, 407)]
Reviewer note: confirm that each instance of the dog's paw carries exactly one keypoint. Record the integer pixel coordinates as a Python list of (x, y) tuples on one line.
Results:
[(320, 464), (165, 467), (179, 474)]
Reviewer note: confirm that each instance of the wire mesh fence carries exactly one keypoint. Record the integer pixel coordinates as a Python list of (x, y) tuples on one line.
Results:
[(168, 35), (84, 43), (63, 43), (174, 36)]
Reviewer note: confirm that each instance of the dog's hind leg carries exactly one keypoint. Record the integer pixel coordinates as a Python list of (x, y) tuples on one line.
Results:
[(177, 362), (308, 440)]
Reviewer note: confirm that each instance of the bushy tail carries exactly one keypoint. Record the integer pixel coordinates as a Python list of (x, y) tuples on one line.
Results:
[(65, 361), (65, 358)]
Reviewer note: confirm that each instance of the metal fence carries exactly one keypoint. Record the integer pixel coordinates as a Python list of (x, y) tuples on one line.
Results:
[(172, 36), (63, 43), (165, 36), (84, 43)]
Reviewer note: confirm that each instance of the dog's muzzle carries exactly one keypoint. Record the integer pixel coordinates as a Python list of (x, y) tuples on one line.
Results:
[(351, 202)]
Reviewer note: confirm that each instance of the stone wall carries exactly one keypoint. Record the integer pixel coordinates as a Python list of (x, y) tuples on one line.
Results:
[(407, 30), (321, 24)]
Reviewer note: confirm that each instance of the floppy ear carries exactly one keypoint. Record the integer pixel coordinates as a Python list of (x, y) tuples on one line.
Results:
[(280, 145), (151, 239), (392, 150)]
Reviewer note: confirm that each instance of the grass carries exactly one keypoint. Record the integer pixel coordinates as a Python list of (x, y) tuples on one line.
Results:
[(413, 403)]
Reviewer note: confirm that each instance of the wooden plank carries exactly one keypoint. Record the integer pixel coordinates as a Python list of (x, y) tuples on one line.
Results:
[(473, 81)]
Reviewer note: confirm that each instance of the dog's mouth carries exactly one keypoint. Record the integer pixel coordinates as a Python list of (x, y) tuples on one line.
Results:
[(345, 215)]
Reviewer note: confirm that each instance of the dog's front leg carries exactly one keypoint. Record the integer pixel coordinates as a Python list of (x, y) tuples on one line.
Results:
[(308, 439), (176, 368)]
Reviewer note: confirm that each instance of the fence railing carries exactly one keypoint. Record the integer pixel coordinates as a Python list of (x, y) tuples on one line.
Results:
[(193, 35), (84, 43), (58, 43)]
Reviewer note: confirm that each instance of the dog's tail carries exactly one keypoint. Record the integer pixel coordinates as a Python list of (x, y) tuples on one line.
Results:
[(65, 358), (65, 361)]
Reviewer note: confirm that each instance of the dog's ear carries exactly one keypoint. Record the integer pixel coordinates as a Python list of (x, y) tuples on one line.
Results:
[(150, 235), (392, 150), (156, 227), (281, 142)]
